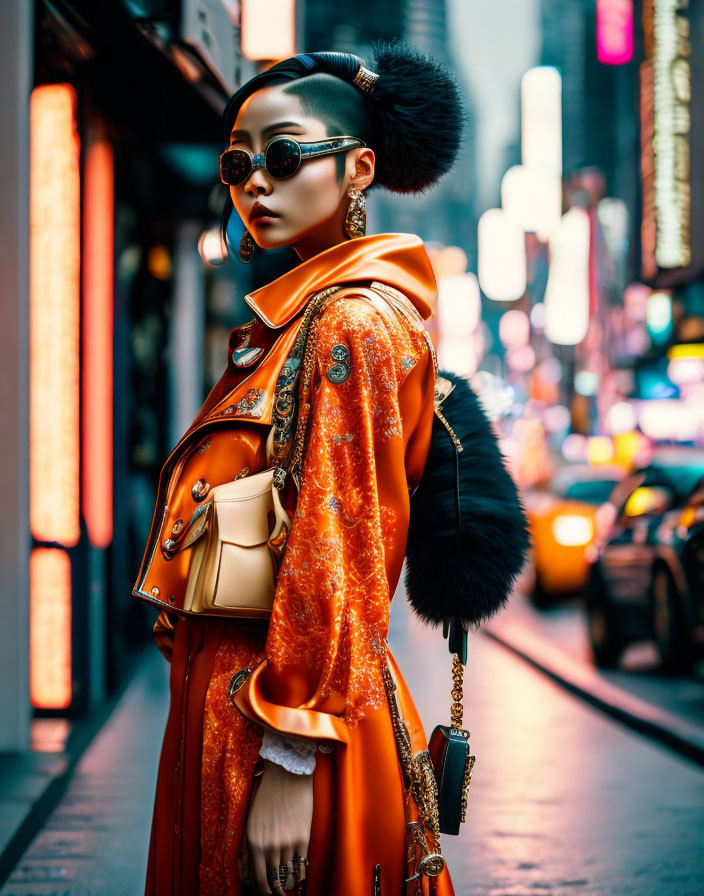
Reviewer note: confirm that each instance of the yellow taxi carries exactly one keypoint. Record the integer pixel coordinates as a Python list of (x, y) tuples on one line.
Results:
[(564, 519)]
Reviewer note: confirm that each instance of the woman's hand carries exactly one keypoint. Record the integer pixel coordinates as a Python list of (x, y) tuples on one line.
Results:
[(279, 823)]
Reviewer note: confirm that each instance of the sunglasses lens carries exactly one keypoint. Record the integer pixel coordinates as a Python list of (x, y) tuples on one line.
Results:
[(234, 166), (283, 157)]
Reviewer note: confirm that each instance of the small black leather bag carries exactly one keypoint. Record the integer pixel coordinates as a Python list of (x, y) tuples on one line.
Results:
[(449, 745)]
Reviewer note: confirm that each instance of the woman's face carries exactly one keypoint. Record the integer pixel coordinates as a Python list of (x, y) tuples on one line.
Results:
[(309, 207)]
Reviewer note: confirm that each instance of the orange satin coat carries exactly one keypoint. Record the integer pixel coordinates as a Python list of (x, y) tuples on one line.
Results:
[(317, 663)]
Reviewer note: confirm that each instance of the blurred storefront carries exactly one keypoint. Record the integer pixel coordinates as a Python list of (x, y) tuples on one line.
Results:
[(668, 374), (140, 95), (118, 333)]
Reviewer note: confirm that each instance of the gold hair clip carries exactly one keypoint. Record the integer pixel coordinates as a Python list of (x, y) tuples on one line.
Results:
[(365, 80)]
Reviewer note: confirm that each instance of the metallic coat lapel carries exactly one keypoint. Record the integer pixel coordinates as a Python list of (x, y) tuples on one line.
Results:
[(399, 259)]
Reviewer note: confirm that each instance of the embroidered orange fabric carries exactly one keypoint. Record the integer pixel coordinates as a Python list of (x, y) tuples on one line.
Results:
[(230, 750), (331, 607)]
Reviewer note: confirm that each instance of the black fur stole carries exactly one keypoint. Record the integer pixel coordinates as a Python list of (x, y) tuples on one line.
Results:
[(464, 572)]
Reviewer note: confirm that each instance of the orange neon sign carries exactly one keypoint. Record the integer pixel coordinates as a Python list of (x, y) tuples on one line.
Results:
[(50, 628), (97, 382), (54, 312)]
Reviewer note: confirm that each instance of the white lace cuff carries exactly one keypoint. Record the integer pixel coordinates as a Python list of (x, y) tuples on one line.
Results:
[(294, 754)]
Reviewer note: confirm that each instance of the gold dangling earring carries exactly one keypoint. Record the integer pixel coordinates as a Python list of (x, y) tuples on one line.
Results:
[(356, 220), (247, 245)]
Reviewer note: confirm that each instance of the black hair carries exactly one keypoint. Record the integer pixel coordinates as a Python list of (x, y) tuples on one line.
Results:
[(339, 105), (412, 119)]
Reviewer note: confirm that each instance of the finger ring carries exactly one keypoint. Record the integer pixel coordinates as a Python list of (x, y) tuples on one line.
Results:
[(299, 861), (274, 881)]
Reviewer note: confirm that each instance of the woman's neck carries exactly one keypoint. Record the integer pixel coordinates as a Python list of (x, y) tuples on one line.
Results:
[(309, 247), (327, 235)]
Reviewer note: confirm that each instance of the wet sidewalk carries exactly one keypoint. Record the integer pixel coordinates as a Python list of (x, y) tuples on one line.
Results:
[(668, 708), (96, 840), (563, 800)]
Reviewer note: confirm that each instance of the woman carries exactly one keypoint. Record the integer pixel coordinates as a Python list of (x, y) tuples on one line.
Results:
[(315, 774)]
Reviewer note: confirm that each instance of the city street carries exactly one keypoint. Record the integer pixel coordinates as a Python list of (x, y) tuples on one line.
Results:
[(564, 626), (563, 799)]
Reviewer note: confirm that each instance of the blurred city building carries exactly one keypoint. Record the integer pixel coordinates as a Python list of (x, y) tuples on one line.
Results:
[(446, 214), (628, 154), (116, 328)]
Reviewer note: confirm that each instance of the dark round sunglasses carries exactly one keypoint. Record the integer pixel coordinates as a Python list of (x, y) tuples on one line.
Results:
[(281, 158)]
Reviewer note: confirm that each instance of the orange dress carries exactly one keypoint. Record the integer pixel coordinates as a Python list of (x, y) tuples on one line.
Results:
[(320, 663)]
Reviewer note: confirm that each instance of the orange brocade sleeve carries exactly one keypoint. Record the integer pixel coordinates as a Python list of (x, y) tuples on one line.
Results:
[(327, 634)]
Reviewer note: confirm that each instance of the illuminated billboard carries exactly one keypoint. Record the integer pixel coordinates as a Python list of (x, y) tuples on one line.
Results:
[(672, 142), (614, 31)]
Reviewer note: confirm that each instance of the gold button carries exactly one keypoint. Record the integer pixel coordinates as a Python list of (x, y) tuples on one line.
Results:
[(200, 490), (177, 526), (155, 591)]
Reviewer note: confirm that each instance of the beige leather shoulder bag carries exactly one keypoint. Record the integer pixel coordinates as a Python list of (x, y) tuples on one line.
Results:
[(233, 567), (238, 537)]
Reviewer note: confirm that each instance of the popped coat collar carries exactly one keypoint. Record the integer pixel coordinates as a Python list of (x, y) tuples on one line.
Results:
[(399, 259)]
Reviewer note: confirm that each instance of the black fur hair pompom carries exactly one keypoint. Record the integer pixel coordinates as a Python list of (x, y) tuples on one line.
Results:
[(418, 117), (468, 534)]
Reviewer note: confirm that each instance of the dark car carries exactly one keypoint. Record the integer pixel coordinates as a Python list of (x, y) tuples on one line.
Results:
[(646, 579)]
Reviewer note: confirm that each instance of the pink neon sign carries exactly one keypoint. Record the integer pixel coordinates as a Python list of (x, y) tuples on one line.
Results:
[(614, 31)]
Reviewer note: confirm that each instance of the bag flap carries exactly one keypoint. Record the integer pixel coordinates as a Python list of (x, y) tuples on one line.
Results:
[(242, 508), (247, 487)]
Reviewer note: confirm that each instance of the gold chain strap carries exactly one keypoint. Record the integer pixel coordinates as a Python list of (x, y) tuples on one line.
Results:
[(456, 708), (441, 417), (417, 770), (456, 720), (465, 787), (288, 429), (301, 437)]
